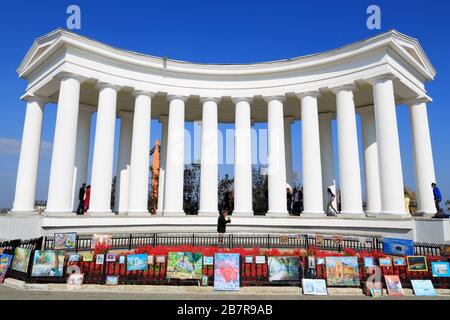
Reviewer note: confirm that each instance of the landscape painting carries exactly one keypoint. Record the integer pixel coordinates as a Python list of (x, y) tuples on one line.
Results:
[(21, 260), (136, 262), (226, 271), (342, 271), (48, 263), (184, 265), (283, 268), (64, 241), (5, 261)]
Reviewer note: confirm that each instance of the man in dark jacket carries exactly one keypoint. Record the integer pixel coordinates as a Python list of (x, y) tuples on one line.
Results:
[(81, 195), (437, 200), (222, 225)]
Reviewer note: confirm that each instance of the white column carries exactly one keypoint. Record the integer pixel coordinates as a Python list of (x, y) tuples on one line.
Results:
[(102, 164), (123, 162), (349, 168), (162, 168), (326, 157), (140, 155), (80, 170), (64, 146), (174, 184), (369, 133), (243, 202), (276, 157), (209, 155), (423, 156), (27, 171), (389, 161), (288, 149), (311, 165)]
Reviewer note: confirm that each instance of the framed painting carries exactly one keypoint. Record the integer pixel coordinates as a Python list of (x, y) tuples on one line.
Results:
[(65, 241), (99, 239), (260, 259), (342, 271), (208, 261), (248, 259), (75, 280), (400, 247), (88, 257), (112, 280), (440, 269), (385, 262), (184, 265), (5, 262), (21, 260), (48, 263), (74, 257), (226, 272), (111, 257), (136, 262), (316, 287), (369, 262), (283, 269), (100, 259), (417, 263), (399, 261), (393, 285), (423, 288)]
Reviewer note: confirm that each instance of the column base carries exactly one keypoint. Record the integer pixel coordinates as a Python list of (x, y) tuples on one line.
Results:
[(352, 215), (100, 214), (138, 214), (242, 213), (208, 213), (278, 214), (59, 214), (394, 215), (174, 213), (310, 214), (25, 212), (423, 214)]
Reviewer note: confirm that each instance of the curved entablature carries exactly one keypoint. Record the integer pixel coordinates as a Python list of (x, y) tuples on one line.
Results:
[(388, 53)]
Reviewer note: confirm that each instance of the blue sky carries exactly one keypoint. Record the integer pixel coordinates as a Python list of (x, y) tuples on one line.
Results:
[(226, 32)]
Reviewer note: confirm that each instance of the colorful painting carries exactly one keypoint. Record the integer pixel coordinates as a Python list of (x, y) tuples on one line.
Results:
[(385, 262), (398, 247), (21, 260), (74, 257), (417, 263), (136, 262), (100, 259), (423, 288), (445, 250), (342, 271), (208, 261), (99, 239), (320, 240), (111, 257), (121, 259), (226, 271), (65, 241), (184, 265), (260, 259), (88, 257), (399, 261), (320, 261), (112, 280), (311, 262), (75, 280), (248, 259), (150, 260), (440, 269), (161, 259), (48, 263), (394, 286), (369, 262), (283, 268), (376, 293), (316, 287), (205, 281), (5, 261)]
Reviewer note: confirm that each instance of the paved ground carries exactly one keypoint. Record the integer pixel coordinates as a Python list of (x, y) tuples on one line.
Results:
[(7, 293)]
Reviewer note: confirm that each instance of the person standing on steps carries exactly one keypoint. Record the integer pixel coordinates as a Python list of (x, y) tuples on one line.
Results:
[(222, 225), (81, 195)]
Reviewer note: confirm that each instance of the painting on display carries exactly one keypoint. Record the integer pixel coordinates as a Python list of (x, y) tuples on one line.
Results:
[(226, 271), (88, 257), (184, 265), (385, 262), (342, 271), (150, 260), (100, 259), (320, 240), (48, 263), (161, 259), (316, 287), (121, 259), (320, 261), (112, 280), (260, 259), (440, 269), (100, 239), (417, 263), (74, 257), (398, 247), (136, 262), (208, 261), (65, 241), (369, 262), (248, 259), (21, 260), (423, 288), (205, 281), (75, 280), (5, 262), (311, 262), (399, 261), (111, 257), (376, 293), (393, 285), (283, 268)]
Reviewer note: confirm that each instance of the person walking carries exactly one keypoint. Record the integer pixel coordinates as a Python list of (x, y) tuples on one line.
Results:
[(222, 225), (330, 208), (81, 195), (87, 198), (437, 200)]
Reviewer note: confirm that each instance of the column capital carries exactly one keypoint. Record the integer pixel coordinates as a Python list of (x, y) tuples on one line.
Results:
[(213, 99), (277, 98), (236, 100), (381, 78), (172, 97), (126, 115), (33, 98), (418, 100), (314, 94), (345, 87), (137, 93), (70, 75), (103, 85), (365, 109)]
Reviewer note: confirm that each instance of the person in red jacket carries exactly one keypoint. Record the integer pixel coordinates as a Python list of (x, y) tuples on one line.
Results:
[(87, 198)]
